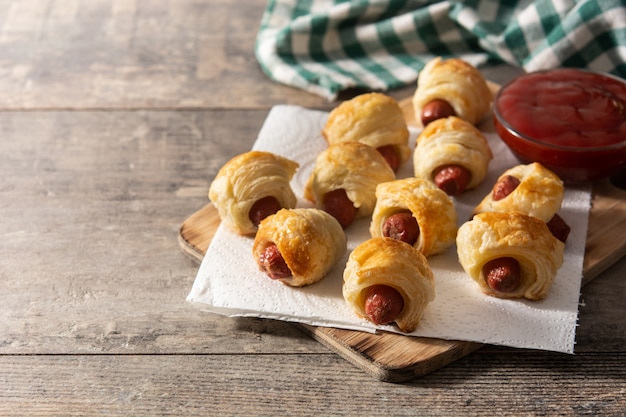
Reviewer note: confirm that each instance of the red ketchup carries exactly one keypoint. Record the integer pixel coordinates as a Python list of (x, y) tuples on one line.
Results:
[(578, 111)]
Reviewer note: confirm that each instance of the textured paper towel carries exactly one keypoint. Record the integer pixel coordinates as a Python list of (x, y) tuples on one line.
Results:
[(229, 283)]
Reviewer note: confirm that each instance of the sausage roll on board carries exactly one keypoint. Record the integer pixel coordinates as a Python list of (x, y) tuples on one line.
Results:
[(388, 281), (530, 189), (374, 119), (509, 254), (344, 180), (453, 154), (451, 87), (298, 246), (416, 212), (251, 186)]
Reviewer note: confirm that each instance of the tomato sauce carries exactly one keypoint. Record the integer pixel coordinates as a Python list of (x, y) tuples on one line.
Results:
[(566, 107)]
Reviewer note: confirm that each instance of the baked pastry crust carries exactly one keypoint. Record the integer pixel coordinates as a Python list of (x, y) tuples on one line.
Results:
[(352, 166), (390, 262), (457, 82), (430, 206), (247, 178), (374, 119), (452, 141), (494, 235), (539, 193), (310, 241)]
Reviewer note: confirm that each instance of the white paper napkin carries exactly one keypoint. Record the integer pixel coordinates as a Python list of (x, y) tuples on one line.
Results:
[(229, 282)]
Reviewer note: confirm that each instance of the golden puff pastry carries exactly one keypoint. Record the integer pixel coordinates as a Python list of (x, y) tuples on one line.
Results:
[(426, 207), (353, 167), (452, 142), (456, 82), (299, 246), (491, 241), (247, 179), (538, 192), (388, 263), (374, 119)]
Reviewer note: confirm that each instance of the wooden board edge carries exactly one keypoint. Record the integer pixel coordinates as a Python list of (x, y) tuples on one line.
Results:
[(450, 352)]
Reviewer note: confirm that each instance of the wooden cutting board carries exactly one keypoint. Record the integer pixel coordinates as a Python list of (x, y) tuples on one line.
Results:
[(397, 358)]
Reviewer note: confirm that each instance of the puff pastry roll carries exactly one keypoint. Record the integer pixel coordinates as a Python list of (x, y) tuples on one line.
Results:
[(374, 119), (251, 186), (451, 87), (509, 254), (298, 246), (530, 189), (416, 212), (388, 281), (453, 154), (344, 180)]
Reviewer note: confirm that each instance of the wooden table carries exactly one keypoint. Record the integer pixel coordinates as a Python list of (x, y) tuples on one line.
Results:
[(115, 116)]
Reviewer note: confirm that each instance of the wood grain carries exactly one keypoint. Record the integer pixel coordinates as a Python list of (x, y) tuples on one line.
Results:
[(114, 116), (196, 385)]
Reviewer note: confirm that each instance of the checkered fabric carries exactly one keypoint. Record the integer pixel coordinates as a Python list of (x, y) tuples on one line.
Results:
[(326, 46)]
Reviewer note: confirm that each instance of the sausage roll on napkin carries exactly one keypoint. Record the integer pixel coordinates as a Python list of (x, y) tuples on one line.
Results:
[(531, 189), (509, 254), (416, 212), (344, 180), (251, 186), (374, 119), (388, 281), (451, 87), (453, 154), (298, 246)]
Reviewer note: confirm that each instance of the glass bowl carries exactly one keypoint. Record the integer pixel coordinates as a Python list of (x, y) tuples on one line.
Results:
[(572, 121)]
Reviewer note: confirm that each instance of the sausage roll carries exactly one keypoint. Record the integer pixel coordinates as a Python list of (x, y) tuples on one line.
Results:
[(374, 119), (298, 246), (449, 145), (530, 189), (509, 254), (455, 83), (415, 211), (344, 180), (251, 186), (388, 281)]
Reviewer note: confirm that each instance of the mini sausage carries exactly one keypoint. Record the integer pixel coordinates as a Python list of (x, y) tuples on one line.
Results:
[(383, 304), (559, 228), (436, 109), (502, 274), (273, 264), (337, 204), (391, 156), (402, 226), (263, 208), (452, 179), (505, 186)]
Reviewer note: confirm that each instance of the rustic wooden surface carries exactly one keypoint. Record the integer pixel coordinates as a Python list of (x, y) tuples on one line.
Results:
[(114, 117)]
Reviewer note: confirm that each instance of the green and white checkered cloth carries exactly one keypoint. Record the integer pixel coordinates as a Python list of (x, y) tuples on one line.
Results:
[(327, 46)]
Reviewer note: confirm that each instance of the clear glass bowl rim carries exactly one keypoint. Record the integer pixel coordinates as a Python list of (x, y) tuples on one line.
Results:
[(534, 141)]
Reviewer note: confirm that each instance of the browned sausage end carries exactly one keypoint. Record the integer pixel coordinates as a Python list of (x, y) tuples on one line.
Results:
[(402, 226), (504, 186), (559, 228), (391, 156), (436, 109), (273, 264), (263, 208), (503, 274), (383, 304), (452, 179), (337, 204)]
